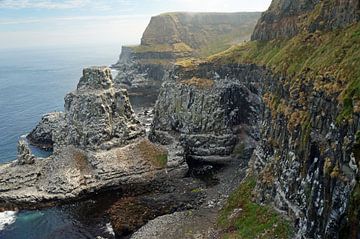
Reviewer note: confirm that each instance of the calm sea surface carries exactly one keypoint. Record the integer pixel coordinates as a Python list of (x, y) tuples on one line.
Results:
[(32, 83)]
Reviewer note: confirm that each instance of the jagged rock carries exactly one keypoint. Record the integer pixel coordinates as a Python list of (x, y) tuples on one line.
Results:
[(42, 135), (24, 155), (208, 114), (98, 145), (97, 115)]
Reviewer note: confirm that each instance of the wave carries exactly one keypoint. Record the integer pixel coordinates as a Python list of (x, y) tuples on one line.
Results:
[(7, 218)]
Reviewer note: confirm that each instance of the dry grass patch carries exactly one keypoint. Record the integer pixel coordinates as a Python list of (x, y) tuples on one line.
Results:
[(152, 153), (201, 83)]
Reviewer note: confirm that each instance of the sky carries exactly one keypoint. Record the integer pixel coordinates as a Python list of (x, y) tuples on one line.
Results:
[(39, 23)]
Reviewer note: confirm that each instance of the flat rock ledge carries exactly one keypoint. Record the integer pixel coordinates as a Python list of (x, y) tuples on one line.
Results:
[(98, 144), (75, 173)]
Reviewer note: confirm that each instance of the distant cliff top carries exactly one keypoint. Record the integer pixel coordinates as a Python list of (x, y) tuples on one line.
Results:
[(199, 33), (286, 18)]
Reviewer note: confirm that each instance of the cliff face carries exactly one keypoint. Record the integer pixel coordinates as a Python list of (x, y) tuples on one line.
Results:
[(172, 37), (286, 18), (196, 31), (208, 113), (306, 162)]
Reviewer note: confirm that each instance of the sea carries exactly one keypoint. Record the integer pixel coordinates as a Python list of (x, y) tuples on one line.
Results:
[(34, 82)]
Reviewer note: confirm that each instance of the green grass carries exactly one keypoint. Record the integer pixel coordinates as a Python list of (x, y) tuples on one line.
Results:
[(253, 221), (334, 54), (161, 160), (176, 48)]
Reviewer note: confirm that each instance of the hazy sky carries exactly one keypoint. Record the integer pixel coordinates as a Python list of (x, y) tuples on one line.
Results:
[(27, 23)]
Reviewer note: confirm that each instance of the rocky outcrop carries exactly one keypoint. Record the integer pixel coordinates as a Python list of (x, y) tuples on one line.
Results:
[(139, 78), (24, 155), (42, 135), (208, 112), (98, 145), (286, 18), (97, 115)]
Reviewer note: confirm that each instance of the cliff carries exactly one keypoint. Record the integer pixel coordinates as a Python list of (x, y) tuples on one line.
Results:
[(199, 33), (172, 37), (302, 62), (286, 18)]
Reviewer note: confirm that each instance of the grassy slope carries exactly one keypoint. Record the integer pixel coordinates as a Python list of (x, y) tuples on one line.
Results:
[(333, 54), (241, 218)]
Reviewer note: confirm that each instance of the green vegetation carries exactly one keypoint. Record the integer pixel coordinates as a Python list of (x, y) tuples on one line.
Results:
[(352, 228), (320, 56), (175, 48), (155, 154), (161, 160), (242, 218), (196, 190)]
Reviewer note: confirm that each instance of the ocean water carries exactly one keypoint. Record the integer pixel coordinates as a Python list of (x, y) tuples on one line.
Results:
[(35, 81), (32, 83)]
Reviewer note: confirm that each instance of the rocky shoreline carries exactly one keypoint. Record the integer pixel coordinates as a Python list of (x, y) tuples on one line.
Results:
[(99, 147)]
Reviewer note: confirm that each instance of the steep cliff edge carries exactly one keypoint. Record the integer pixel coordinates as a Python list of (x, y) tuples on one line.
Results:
[(287, 18), (306, 163), (303, 64), (171, 37)]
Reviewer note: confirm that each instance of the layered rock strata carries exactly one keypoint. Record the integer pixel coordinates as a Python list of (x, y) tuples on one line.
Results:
[(208, 111), (306, 162), (286, 18)]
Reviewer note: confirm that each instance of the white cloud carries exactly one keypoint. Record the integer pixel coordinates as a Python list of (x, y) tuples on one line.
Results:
[(48, 4), (223, 6), (87, 30), (67, 19)]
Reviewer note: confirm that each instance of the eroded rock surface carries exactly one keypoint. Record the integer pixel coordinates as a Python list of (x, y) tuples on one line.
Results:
[(208, 111), (42, 134), (98, 144), (24, 155), (97, 115)]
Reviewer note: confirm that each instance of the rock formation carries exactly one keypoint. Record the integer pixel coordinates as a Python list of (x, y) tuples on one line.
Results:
[(42, 134), (208, 111), (97, 115), (286, 18), (24, 154), (306, 162), (98, 145), (171, 37)]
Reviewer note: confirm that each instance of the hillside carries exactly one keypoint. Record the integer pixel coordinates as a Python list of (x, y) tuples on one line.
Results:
[(172, 37), (199, 33)]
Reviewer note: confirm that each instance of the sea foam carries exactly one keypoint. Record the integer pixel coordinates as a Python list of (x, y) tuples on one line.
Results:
[(7, 218)]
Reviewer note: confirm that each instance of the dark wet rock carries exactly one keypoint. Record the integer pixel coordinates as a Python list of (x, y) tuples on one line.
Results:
[(130, 213)]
